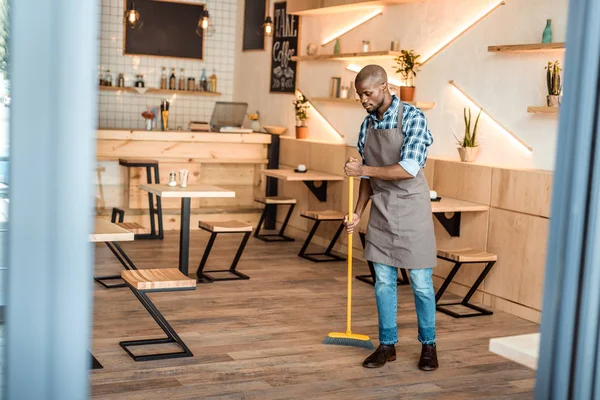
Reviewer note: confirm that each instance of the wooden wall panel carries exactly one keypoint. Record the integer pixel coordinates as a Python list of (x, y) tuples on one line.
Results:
[(328, 158), (293, 152), (429, 172), (463, 181), (177, 150), (524, 191), (520, 241)]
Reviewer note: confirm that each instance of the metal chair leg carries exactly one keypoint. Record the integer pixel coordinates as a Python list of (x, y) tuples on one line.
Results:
[(326, 256), (205, 277)]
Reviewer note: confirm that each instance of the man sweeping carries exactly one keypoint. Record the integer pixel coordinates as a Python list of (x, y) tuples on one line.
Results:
[(393, 142)]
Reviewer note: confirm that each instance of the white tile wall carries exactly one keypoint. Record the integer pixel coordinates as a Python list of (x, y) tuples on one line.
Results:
[(123, 110)]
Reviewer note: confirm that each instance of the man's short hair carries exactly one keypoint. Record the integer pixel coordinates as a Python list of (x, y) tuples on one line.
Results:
[(371, 72)]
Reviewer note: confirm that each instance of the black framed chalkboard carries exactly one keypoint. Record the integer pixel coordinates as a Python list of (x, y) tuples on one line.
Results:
[(168, 30), (254, 17), (286, 32)]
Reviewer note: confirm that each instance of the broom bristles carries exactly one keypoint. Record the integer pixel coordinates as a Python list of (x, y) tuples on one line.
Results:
[(365, 344)]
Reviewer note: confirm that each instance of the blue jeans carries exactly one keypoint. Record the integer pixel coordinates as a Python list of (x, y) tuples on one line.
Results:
[(387, 303)]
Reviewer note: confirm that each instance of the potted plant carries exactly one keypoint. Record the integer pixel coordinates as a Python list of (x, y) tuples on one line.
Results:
[(407, 68), (553, 83), (469, 148), (254, 122), (301, 105)]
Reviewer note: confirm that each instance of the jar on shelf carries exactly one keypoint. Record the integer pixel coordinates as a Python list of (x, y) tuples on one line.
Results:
[(366, 46), (107, 78)]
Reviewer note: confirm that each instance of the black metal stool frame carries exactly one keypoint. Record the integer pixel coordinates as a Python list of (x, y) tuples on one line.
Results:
[(119, 254), (370, 279), (275, 237), (156, 215), (172, 336), (465, 301), (329, 257), (203, 277)]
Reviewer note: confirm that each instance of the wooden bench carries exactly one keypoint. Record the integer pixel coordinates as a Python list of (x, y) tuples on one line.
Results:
[(319, 217), (460, 257), (370, 279), (117, 217), (156, 217), (143, 281), (216, 228), (274, 202)]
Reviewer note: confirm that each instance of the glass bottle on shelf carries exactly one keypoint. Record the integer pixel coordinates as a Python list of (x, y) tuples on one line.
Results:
[(181, 81), (172, 80), (163, 78), (203, 81), (213, 81), (108, 78), (121, 82)]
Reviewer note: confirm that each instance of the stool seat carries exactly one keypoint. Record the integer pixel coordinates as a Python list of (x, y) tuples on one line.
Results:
[(158, 279), (133, 227), (225, 226), (275, 200), (467, 255), (132, 162), (326, 215)]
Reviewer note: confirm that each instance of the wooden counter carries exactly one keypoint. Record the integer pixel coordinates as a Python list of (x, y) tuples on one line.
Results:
[(229, 160)]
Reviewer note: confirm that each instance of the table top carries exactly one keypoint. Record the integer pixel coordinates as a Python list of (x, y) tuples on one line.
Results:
[(199, 190), (448, 204), (106, 231), (522, 349), (291, 175)]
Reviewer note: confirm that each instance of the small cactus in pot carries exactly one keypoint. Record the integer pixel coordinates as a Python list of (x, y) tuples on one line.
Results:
[(553, 83)]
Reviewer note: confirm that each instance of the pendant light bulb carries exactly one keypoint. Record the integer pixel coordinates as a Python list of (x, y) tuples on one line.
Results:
[(205, 18), (205, 25), (268, 26), (132, 17)]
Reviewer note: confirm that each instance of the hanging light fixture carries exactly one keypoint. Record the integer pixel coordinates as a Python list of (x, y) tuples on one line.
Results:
[(205, 25), (132, 18), (268, 25)]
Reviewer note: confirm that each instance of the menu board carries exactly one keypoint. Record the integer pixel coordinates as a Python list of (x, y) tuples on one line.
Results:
[(286, 29)]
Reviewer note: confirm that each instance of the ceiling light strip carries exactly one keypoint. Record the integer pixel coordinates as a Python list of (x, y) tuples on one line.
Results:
[(352, 27), (514, 136)]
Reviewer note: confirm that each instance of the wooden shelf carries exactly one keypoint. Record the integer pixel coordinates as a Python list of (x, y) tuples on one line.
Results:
[(349, 56), (526, 48), (542, 110), (423, 105), (323, 7), (157, 91)]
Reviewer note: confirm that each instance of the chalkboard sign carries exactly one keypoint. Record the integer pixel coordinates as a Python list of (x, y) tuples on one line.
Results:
[(286, 30), (254, 18), (168, 29)]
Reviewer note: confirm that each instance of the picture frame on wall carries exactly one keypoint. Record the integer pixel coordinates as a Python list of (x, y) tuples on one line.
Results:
[(286, 36), (255, 12)]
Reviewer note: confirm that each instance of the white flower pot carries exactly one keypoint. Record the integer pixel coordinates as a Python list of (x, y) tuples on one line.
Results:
[(468, 154)]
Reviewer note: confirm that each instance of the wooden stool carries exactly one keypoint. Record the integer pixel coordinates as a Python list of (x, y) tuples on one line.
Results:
[(460, 257), (155, 211), (145, 281), (117, 217), (269, 202), (318, 217), (216, 228), (370, 279)]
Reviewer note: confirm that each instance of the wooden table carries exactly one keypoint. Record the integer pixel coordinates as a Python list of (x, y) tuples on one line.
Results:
[(455, 207), (523, 349), (186, 194), (309, 178), (106, 231)]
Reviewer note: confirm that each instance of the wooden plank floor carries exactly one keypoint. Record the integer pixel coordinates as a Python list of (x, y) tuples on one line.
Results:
[(261, 339)]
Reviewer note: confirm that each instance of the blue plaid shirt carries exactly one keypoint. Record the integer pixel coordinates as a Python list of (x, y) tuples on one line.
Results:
[(417, 137)]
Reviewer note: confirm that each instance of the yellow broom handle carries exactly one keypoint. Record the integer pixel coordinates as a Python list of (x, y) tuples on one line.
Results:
[(350, 215)]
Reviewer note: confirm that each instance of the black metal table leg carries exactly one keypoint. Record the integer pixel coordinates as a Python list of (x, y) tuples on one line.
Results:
[(271, 188), (95, 363), (184, 236)]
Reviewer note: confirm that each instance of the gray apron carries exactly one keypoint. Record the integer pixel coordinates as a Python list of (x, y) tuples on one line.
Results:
[(400, 231)]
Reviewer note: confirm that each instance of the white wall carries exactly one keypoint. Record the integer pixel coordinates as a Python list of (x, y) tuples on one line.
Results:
[(123, 110), (503, 84)]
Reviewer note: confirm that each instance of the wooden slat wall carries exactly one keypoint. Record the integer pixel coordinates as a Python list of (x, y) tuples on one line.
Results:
[(515, 228), (230, 161)]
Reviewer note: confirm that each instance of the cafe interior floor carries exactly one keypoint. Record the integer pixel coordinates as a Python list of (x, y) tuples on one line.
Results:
[(261, 338)]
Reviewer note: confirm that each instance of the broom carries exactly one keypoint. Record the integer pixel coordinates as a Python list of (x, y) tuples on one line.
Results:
[(348, 338)]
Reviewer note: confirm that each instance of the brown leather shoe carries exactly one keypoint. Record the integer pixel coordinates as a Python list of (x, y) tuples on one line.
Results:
[(428, 360), (383, 354)]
